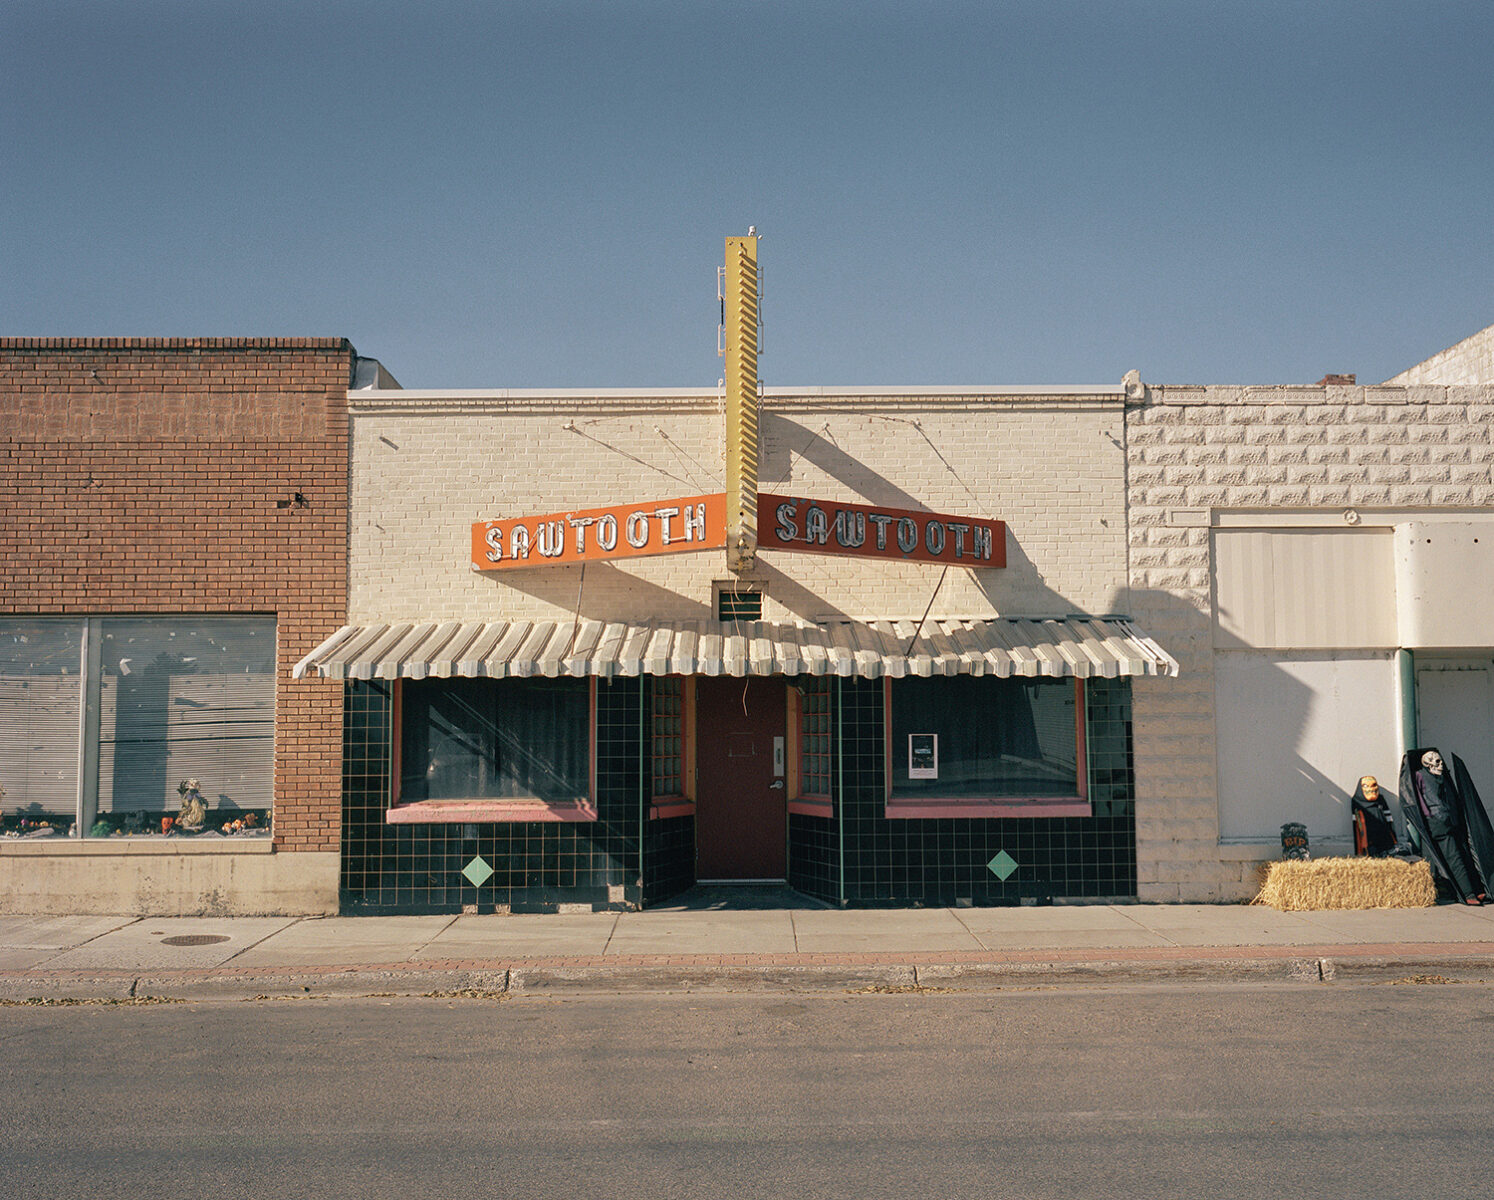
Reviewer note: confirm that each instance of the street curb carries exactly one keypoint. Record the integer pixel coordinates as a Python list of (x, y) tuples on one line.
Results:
[(711, 978), (562, 980), (1347, 969), (267, 985)]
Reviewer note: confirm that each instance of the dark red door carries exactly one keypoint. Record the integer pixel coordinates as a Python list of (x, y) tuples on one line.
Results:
[(741, 815)]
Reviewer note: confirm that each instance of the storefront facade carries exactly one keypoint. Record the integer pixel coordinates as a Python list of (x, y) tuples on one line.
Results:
[(511, 651), (173, 522), (1320, 560), (916, 692)]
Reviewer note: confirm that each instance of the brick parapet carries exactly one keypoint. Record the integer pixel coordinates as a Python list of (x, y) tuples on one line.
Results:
[(160, 476)]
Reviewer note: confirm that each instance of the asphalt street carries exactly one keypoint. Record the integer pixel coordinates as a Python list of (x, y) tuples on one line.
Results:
[(1240, 1090)]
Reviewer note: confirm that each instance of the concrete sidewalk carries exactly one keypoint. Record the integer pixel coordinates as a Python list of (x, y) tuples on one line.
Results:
[(702, 947)]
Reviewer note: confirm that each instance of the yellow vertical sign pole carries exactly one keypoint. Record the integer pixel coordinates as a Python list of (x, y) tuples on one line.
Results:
[(741, 338)]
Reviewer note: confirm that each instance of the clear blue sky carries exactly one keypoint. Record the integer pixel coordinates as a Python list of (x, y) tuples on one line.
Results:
[(529, 194)]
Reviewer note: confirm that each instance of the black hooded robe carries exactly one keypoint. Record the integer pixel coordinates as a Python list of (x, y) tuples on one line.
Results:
[(1460, 847), (1374, 827)]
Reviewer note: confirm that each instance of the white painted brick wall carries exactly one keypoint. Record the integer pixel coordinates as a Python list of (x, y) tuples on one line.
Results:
[(424, 470), (1303, 448)]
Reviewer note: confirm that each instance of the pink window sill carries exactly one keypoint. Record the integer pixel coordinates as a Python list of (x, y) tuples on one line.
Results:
[(812, 806), (933, 807), (477, 812), (676, 806)]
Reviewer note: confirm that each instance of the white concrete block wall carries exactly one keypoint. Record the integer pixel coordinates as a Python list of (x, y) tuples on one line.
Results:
[(424, 469), (1193, 451)]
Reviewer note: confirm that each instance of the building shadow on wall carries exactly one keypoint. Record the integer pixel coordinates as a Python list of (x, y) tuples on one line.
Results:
[(784, 440), (1018, 589), (1248, 738), (602, 592)]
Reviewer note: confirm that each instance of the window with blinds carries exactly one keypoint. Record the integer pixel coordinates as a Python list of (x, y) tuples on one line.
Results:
[(41, 703), (738, 603), (186, 699), (162, 701)]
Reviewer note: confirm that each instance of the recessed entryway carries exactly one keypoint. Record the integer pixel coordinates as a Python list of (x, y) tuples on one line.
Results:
[(741, 815)]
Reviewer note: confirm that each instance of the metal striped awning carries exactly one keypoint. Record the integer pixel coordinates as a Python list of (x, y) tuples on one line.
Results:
[(1077, 646)]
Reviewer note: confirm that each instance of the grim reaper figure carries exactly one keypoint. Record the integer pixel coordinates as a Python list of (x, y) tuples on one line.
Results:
[(1446, 816)]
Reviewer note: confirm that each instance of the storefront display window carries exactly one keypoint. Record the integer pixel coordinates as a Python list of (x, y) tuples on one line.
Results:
[(982, 746), (494, 749), (41, 699), (138, 726)]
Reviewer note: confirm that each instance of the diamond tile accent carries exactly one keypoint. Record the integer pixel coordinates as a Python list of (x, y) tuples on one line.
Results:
[(477, 872), (1002, 865)]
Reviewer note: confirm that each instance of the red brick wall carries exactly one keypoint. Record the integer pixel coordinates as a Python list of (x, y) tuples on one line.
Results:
[(159, 475)]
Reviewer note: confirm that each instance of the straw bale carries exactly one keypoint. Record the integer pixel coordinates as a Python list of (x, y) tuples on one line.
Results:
[(1348, 883)]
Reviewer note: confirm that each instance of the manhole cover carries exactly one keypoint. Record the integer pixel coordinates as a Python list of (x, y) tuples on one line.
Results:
[(195, 939)]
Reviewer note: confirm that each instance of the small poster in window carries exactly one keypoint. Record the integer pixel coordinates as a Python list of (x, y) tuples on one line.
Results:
[(923, 756)]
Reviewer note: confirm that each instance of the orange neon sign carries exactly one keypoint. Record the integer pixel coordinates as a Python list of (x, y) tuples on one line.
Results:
[(867, 531), (601, 534)]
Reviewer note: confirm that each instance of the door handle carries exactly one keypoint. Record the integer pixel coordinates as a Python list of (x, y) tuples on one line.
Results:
[(776, 785)]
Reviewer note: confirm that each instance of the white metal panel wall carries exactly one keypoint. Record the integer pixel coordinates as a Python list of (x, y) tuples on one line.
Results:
[(1455, 713), (1295, 733), (1445, 578), (1304, 588)]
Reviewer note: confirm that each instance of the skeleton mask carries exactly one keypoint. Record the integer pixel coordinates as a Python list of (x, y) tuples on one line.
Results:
[(1432, 761), (1370, 786)]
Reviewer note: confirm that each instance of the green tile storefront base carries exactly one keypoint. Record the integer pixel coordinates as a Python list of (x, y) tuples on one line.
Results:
[(516, 900), (856, 858)]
